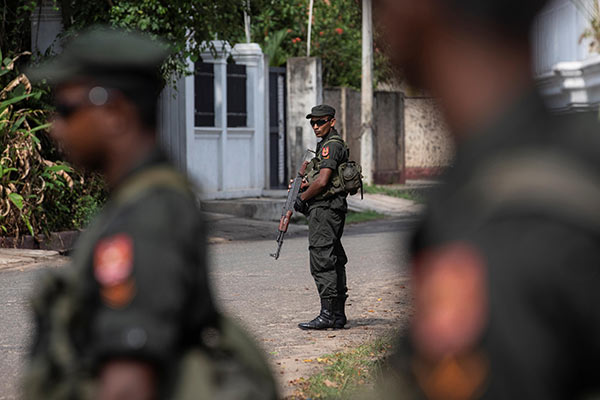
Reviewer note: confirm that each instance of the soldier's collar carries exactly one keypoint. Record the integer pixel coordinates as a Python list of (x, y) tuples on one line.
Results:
[(331, 133), (154, 157), (515, 124)]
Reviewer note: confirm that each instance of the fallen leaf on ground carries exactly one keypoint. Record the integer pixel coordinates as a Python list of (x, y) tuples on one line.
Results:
[(328, 383), (307, 360)]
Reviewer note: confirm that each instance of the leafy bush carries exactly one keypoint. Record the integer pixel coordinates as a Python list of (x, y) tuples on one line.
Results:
[(279, 26), (37, 194)]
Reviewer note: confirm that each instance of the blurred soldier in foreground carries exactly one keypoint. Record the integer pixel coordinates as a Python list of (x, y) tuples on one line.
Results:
[(506, 261), (133, 318)]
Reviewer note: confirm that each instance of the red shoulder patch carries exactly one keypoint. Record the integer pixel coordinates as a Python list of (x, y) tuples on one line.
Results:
[(325, 152), (113, 260), (113, 265), (451, 299)]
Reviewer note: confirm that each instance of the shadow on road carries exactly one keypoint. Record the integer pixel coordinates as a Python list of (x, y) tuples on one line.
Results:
[(225, 228), (365, 322)]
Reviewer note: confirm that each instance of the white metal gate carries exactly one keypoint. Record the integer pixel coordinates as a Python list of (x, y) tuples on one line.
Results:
[(228, 156)]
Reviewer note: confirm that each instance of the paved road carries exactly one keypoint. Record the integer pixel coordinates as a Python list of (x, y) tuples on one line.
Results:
[(270, 297)]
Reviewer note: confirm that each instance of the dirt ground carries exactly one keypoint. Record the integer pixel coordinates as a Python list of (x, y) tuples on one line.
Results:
[(271, 297)]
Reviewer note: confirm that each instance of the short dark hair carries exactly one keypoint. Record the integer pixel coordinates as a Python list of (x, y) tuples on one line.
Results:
[(512, 17)]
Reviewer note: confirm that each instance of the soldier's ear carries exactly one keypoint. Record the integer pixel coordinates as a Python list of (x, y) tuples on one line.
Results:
[(332, 122)]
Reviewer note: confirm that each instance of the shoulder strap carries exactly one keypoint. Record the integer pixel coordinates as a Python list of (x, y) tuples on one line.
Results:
[(335, 139), (541, 182), (160, 176)]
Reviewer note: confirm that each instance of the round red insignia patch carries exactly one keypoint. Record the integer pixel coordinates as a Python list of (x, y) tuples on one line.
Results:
[(325, 151), (451, 299), (113, 260)]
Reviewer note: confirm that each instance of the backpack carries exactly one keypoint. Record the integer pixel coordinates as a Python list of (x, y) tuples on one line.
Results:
[(346, 179)]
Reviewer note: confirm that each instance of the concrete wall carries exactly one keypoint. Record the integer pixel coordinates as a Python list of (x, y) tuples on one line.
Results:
[(429, 148), (346, 102), (389, 134), (304, 91), (389, 137)]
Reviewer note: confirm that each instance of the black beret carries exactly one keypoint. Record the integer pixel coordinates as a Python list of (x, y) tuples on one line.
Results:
[(322, 110)]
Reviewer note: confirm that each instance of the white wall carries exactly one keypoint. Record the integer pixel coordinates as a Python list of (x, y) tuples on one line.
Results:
[(556, 36), (567, 74)]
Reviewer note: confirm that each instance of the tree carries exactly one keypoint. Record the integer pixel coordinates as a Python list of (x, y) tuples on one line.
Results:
[(186, 24), (281, 29), (279, 26)]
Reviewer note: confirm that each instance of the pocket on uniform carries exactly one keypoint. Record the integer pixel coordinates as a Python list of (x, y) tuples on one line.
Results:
[(320, 232)]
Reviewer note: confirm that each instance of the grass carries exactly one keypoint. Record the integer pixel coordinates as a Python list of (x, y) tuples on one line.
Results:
[(346, 373), (354, 217), (407, 194)]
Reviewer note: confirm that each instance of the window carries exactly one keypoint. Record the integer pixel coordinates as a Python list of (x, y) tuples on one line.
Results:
[(204, 95), (237, 114)]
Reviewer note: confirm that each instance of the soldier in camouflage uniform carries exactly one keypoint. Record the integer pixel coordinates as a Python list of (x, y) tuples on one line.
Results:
[(129, 318), (506, 258), (326, 214)]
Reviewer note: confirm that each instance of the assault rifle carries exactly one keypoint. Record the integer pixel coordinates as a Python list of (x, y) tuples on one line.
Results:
[(288, 208)]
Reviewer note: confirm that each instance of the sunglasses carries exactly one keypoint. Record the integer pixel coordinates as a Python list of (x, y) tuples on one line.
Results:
[(319, 122), (65, 110), (97, 96)]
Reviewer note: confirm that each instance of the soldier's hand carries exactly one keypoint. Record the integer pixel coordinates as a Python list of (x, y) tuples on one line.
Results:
[(290, 184), (300, 205), (304, 184), (126, 379)]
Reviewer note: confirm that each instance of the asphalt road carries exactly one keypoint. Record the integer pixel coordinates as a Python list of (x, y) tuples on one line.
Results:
[(269, 297)]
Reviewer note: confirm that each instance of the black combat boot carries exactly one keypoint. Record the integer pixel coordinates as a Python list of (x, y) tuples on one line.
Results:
[(324, 320), (339, 312)]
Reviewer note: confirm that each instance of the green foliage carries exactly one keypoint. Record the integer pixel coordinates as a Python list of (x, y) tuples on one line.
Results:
[(15, 25), (336, 37), (273, 48), (354, 217), (279, 26), (188, 26), (418, 196), (38, 193)]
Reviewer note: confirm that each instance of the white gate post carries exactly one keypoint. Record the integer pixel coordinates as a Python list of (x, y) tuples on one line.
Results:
[(251, 55), (219, 59)]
